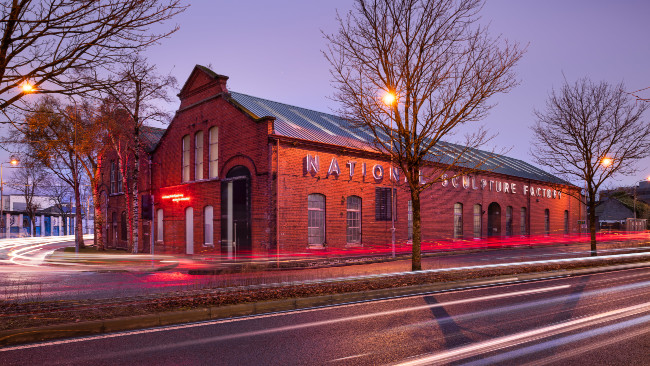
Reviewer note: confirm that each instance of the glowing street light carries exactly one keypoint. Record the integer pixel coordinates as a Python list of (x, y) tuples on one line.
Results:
[(389, 98), (606, 162), (27, 87)]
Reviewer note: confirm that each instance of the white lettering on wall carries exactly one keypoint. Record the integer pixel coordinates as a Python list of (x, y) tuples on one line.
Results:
[(351, 165), (378, 172), (334, 168), (454, 182), (312, 164), (465, 182), (445, 182), (394, 174)]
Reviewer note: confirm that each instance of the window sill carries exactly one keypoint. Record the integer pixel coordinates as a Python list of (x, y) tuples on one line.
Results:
[(115, 194)]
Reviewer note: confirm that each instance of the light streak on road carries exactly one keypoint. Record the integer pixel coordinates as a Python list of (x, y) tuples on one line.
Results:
[(32, 251), (492, 345)]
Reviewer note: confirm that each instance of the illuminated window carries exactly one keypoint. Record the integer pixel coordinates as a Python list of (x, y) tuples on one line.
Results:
[(186, 158), (458, 220), (316, 219), (547, 222), (478, 228), (198, 155), (159, 224), (522, 221), (208, 226), (354, 220), (509, 221), (214, 152)]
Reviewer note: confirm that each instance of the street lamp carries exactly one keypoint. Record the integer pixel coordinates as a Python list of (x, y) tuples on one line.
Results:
[(27, 87), (13, 162), (390, 99)]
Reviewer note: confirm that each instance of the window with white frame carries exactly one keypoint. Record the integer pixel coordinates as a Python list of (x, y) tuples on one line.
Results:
[(316, 219), (458, 220), (213, 152), (159, 224), (198, 155), (208, 226), (186, 158), (478, 228), (509, 221), (354, 220)]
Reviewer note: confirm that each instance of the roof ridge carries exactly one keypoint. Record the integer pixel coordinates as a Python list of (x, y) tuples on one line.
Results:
[(287, 105)]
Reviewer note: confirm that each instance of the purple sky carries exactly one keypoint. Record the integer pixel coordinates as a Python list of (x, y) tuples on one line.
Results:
[(272, 49)]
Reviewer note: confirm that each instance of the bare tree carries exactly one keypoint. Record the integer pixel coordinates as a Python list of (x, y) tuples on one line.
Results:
[(44, 43), (440, 66), (60, 194), (29, 181), (589, 133), (137, 92)]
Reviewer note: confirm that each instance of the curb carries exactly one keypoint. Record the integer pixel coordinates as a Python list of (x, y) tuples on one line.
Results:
[(37, 334)]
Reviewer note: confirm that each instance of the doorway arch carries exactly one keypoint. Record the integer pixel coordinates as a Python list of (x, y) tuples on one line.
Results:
[(236, 212), (494, 219)]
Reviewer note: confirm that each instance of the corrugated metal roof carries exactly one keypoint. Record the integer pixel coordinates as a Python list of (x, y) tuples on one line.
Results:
[(296, 122)]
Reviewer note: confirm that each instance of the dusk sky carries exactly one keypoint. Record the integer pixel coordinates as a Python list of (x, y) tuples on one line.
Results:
[(272, 49)]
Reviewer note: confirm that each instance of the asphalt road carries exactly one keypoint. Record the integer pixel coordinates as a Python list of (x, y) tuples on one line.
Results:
[(601, 319), (24, 277)]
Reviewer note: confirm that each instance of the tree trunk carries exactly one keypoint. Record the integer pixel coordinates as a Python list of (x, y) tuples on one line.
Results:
[(78, 234), (592, 223), (416, 264), (99, 217), (136, 200), (127, 195)]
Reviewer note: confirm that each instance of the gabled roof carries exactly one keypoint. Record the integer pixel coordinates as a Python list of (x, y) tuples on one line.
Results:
[(301, 123), (150, 137)]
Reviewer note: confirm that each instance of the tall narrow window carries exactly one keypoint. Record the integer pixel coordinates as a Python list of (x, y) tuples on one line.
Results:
[(316, 219), (522, 221), (410, 220), (353, 231), (208, 233), (186, 158), (189, 230), (119, 179), (198, 155), (159, 224), (547, 222), (566, 221), (113, 177), (213, 152), (509, 221), (478, 228), (458, 220)]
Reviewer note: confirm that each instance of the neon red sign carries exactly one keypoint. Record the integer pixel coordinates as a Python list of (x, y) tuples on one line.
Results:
[(176, 197)]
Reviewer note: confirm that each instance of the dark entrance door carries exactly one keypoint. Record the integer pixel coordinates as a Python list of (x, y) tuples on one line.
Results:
[(236, 213), (494, 219), (48, 225)]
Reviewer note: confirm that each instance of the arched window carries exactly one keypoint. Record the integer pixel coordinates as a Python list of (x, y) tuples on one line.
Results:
[(354, 220), (566, 221), (522, 221), (213, 152), (316, 219), (478, 228), (458, 220), (547, 222), (186, 158), (208, 226), (198, 155), (123, 225), (159, 224), (189, 230), (509, 221)]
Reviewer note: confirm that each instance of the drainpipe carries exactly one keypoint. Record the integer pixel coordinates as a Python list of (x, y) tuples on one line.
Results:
[(277, 203)]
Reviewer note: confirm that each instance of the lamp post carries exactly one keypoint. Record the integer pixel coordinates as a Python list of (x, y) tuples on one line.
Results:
[(390, 99), (635, 184), (13, 162)]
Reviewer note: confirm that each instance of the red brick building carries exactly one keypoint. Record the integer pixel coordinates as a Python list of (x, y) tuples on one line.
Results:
[(237, 174)]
